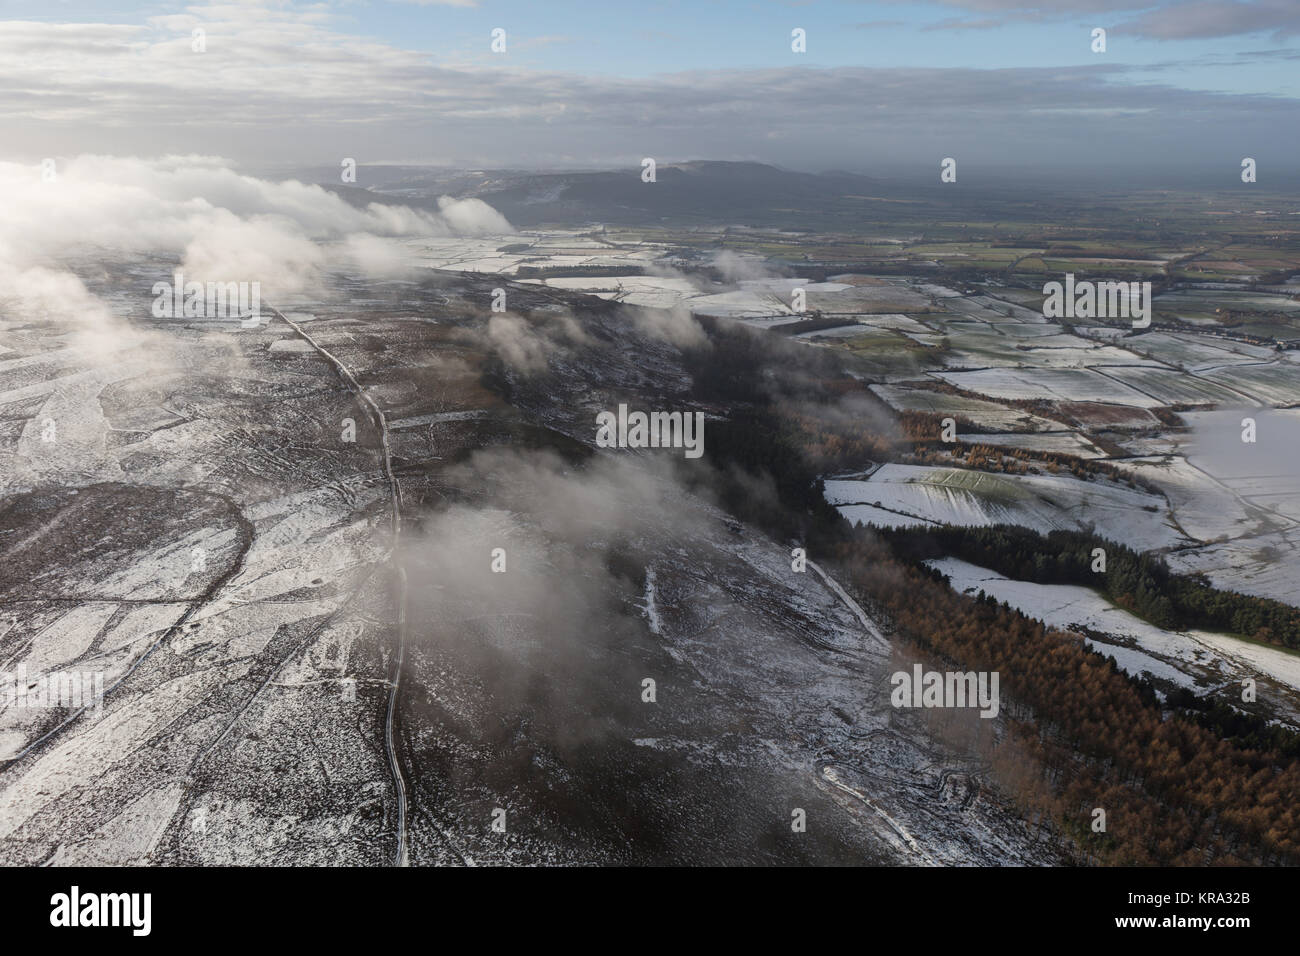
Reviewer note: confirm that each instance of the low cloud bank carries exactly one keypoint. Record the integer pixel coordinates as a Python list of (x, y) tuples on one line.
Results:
[(200, 214)]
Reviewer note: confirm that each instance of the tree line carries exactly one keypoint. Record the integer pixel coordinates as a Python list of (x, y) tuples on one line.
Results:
[(1140, 583)]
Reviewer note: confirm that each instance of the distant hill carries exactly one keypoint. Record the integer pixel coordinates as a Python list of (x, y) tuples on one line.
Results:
[(698, 192), (714, 192), (704, 191)]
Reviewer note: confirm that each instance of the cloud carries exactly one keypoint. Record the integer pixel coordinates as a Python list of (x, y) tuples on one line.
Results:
[(1049, 7), (376, 256), (1169, 20), (954, 23), (1217, 18), (676, 326), (518, 344), (530, 346), (61, 297), (472, 217), (734, 267), (283, 84), (195, 213), (545, 634)]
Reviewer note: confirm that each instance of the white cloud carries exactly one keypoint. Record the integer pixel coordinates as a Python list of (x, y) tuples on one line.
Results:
[(285, 83), (199, 213)]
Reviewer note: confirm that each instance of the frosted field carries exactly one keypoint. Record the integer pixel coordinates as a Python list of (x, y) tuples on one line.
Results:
[(1035, 330), (1154, 446), (656, 292), (1189, 658), (871, 515), (986, 414), (886, 299), (743, 304), (1064, 340), (970, 351), (938, 291), (977, 499), (465, 254), (1195, 352), (1203, 506), (760, 297), (1031, 299), (979, 345), (1102, 333), (894, 320), (1175, 387), (1200, 301), (854, 331), (785, 285), (1266, 565), (987, 309), (1053, 385), (1066, 607), (1241, 500), (1012, 314), (950, 323), (1276, 383), (888, 321), (1069, 443), (483, 254), (769, 321), (754, 298)]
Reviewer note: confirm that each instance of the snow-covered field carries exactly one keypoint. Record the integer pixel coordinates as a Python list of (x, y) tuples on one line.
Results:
[(1266, 565), (1069, 443), (1048, 384), (1173, 387), (1204, 507), (987, 414), (1273, 383), (1197, 659), (976, 499), (1195, 352), (506, 253)]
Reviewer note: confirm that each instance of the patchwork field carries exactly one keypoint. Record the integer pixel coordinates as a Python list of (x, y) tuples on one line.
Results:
[(978, 499), (1169, 387), (985, 413), (1056, 384), (1069, 443)]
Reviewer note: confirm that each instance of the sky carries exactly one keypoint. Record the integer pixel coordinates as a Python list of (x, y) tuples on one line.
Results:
[(999, 83)]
